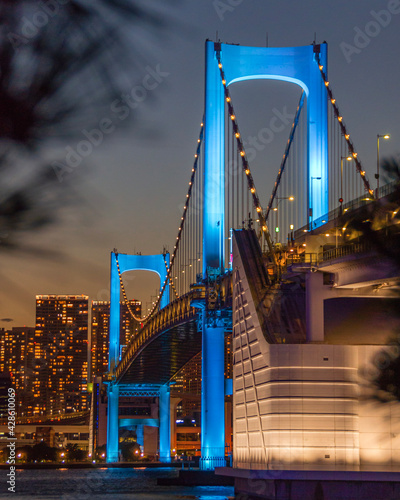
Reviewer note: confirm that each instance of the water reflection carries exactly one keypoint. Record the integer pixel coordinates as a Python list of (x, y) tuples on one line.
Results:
[(103, 483)]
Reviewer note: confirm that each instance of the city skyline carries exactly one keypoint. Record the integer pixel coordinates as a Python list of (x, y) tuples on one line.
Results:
[(134, 183), (248, 163), (68, 345)]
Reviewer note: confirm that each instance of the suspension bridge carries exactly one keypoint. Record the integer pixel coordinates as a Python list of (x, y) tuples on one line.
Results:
[(302, 230)]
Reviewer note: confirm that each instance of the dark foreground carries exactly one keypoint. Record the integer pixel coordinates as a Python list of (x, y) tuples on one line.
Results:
[(105, 483)]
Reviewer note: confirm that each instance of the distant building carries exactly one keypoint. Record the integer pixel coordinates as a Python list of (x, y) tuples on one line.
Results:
[(58, 434), (17, 359), (99, 337), (2, 350), (187, 382), (5, 384), (138, 419), (61, 354), (100, 332)]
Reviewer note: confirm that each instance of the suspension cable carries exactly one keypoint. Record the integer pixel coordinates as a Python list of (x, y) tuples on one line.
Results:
[(346, 135), (286, 153), (171, 281), (126, 301), (245, 165), (178, 239)]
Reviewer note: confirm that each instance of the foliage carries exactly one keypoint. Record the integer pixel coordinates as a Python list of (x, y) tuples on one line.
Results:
[(378, 224), (42, 451), (61, 66), (74, 453), (130, 451)]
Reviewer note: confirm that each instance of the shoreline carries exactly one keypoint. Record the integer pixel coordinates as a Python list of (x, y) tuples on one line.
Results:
[(88, 465)]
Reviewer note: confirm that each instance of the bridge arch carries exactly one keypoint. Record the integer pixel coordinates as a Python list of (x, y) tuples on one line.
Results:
[(298, 65), (151, 263)]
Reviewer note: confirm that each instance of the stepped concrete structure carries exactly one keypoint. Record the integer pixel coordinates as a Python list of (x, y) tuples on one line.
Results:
[(303, 405)]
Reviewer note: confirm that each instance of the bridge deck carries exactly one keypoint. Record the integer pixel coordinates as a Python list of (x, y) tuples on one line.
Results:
[(164, 355)]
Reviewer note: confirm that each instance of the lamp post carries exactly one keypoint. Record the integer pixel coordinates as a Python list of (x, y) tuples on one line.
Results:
[(290, 198), (383, 136), (348, 158)]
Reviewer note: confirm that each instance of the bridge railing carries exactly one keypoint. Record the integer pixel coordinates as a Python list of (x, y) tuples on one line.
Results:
[(333, 253), (344, 250), (303, 258), (46, 419), (361, 201), (387, 189), (175, 312)]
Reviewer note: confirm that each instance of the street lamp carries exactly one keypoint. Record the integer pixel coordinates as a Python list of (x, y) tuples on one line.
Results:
[(384, 136), (348, 158), (275, 209)]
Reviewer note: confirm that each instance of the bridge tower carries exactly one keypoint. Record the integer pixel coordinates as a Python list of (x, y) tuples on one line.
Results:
[(298, 65), (121, 263)]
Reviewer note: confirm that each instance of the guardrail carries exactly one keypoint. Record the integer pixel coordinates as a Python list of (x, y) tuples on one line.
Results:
[(332, 253), (303, 258), (48, 419), (343, 251), (361, 201), (176, 312)]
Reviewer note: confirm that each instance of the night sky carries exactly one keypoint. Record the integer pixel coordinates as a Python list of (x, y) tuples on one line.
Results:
[(132, 185)]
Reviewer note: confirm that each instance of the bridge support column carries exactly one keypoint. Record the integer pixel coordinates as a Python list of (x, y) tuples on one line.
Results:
[(165, 424), (140, 436), (112, 424), (212, 398), (315, 295)]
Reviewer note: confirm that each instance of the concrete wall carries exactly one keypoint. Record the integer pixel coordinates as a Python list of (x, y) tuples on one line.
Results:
[(305, 404)]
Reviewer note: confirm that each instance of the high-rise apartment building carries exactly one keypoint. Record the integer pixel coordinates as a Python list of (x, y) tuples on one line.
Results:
[(17, 358), (187, 381), (5, 384), (129, 325), (100, 332), (99, 337), (61, 354)]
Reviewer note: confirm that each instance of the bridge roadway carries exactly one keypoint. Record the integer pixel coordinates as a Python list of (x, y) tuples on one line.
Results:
[(173, 337), (170, 339)]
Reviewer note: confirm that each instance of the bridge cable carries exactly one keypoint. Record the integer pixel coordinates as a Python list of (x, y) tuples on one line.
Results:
[(286, 153), (245, 165), (346, 135), (176, 246), (171, 281), (126, 301)]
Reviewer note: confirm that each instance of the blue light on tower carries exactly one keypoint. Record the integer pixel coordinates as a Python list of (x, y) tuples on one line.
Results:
[(152, 263), (298, 65)]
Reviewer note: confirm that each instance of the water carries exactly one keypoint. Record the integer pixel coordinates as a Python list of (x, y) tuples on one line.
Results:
[(108, 484)]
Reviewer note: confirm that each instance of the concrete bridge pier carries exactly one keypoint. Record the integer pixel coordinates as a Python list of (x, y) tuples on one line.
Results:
[(112, 423), (212, 398), (165, 424), (140, 436), (316, 293)]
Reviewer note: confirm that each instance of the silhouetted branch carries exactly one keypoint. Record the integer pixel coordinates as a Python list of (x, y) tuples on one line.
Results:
[(62, 64)]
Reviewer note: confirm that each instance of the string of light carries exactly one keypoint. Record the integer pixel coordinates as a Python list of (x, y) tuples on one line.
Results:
[(176, 246), (245, 164), (126, 301), (346, 135), (171, 281)]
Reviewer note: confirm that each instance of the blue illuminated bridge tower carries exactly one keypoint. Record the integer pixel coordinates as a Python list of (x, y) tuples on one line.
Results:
[(298, 65), (121, 263)]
